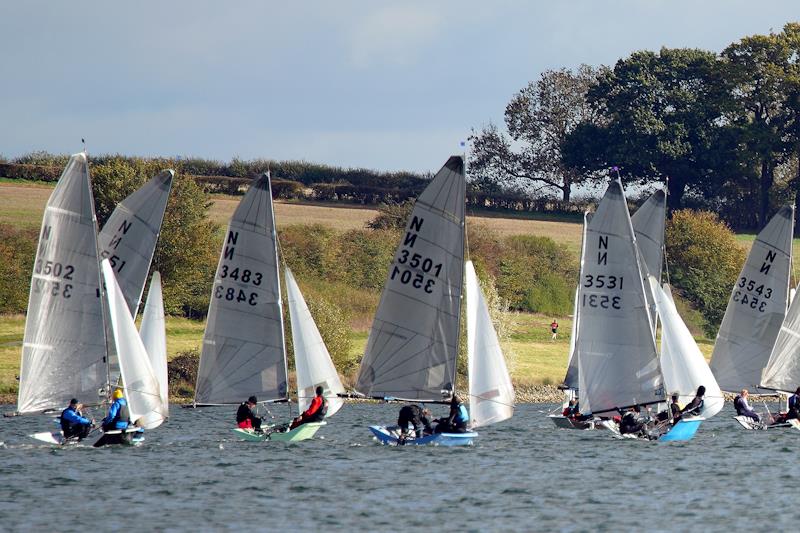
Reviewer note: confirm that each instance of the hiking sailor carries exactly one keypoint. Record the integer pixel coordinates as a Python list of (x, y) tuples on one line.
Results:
[(695, 407)]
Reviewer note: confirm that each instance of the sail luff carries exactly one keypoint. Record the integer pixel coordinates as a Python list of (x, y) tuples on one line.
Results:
[(63, 348), (571, 378), (244, 351), (782, 372), (648, 225), (313, 364), (413, 344), (756, 308)]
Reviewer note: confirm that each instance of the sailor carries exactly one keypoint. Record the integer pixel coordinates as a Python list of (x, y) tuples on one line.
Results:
[(316, 411), (118, 416), (418, 417), (695, 407), (794, 405), (246, 418), (630, 422), (571, 410), (673, 412), (456, 421), (743, 408), (73, 423)]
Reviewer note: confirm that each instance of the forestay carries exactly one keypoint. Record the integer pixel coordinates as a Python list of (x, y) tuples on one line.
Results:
[(141, 386), (648, 226), (783, 369), (571, 379), (491, 397), (154, 338), (682, 363), (617, 359), (412, 347), (243, 346), (63, 352), (313, 363), (756, 307)]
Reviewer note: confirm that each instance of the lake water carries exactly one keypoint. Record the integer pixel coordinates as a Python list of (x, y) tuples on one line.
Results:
[(523, 474)]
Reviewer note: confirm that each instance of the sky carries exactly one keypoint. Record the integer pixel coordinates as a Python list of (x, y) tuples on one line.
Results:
[(370, 84)]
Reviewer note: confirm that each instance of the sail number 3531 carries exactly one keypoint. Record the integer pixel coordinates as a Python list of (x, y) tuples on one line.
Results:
[(603, 301)]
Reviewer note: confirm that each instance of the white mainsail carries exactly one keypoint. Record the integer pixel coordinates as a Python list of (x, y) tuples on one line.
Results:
[(491, 395), (756, 308), (312, 361), (648, 226), (617, 358), (783, 369), (64, 351), (413, 344), (128, 238), (244, 351), (682, 363), (571, 379), (141, 386), (154, 338)]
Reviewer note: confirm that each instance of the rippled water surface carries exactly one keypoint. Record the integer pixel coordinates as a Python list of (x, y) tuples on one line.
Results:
[(523, 474)]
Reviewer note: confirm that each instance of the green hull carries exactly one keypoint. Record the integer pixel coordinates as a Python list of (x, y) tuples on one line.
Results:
[(304, 432)]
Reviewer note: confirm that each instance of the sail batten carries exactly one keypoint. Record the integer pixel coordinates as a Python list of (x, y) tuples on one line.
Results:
[(756, 308), (243, 345), (63, 354), (412, 348), (615, 345)]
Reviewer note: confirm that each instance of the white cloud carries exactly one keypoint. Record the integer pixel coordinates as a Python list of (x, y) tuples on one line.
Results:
[(394, 36)]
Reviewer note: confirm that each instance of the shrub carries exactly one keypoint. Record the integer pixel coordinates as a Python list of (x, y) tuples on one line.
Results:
[(365, 256), (551, 294), (17, 252), (392, 215), (182, 373), (704, 261)]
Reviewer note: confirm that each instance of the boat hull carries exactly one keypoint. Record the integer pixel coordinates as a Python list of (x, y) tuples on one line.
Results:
[(682, 431), (389, 438), (302, 432), (126, 437), (563, 422)]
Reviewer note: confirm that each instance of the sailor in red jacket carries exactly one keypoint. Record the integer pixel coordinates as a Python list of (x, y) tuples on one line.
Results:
[(315, 412)]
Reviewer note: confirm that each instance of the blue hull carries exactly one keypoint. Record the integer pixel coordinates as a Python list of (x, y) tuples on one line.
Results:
[(683, 430), (437, 439)]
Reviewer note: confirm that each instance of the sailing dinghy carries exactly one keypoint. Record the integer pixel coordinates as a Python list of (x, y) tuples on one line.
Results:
[(618, 363), (64, 350), (413, 344), (756, 308), (648, 226), (244, 349)]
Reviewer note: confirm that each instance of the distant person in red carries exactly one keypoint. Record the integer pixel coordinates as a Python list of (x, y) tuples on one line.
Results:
[(315, 412), (554, 329), (245, 417)]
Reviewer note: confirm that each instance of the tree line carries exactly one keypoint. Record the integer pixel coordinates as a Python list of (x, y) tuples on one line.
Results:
[(721, 131)]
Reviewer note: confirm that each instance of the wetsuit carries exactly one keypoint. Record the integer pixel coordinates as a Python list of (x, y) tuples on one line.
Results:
[(246, 419), (412, 414), (74, 425), (743, 409), (629, 424), (694, 408)]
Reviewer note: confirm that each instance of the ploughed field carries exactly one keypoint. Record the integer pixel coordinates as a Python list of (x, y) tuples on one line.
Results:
[(532, 356)]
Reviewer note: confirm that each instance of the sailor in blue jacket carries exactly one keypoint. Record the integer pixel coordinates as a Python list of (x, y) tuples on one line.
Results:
[(118, 416), (457, 420), (73, 423)]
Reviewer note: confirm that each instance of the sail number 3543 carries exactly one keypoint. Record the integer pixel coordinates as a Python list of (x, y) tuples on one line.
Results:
[(755, 302)]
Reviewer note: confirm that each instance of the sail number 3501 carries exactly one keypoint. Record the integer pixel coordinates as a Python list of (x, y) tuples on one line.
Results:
[(416, 263)]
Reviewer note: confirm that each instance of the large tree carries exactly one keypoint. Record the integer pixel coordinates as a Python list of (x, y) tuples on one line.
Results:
[(661, 121), (538, 119), (761, 70)]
